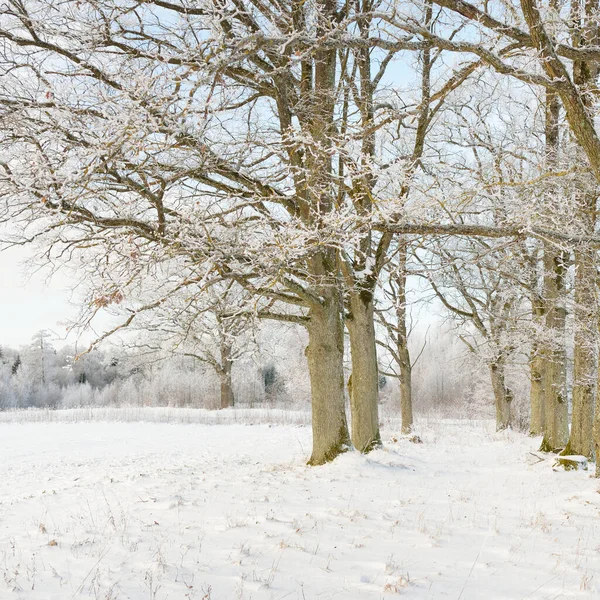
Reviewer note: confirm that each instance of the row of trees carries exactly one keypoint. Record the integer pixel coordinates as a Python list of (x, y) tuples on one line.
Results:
[(38, 374), (44, 374), (41, 375), (296, 160)]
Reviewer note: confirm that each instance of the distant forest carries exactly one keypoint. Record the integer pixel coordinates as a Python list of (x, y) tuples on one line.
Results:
[(45, 374)]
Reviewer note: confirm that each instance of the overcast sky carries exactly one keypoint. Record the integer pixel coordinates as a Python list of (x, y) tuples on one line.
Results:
[(28, 304)]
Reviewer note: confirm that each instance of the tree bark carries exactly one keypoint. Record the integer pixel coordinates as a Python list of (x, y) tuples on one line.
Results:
[(580, 119), (406, 409), (227, 396), (364, 391), (405, 367), (537, 365), (554, 372), (584, 357), (536, 392), (584, 33), (596, 428), (556, 427), (325, 353), (502, 395)]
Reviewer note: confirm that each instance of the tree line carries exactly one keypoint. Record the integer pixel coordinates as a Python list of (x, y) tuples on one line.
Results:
[(42, 375), (270, 375)]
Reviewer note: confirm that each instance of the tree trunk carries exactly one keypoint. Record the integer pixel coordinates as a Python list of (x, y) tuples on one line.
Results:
[(325, 353), (536, 392), (556, 427), (364, 391), (502, 395), (584, 357), (584, 32), (596, 430), (537, 365), (227, 397), (554, 376), (406, 410), (405, 367)]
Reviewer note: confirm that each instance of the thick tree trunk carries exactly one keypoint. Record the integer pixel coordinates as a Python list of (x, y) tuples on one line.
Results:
[(581, 120), (227, 397), (364, 391), (325, 353), (584, 357), (556, 427), (554, 373), (502, 396), (536, 392)]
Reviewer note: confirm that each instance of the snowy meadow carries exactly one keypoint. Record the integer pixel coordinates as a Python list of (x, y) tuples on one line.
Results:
[(155, 510)]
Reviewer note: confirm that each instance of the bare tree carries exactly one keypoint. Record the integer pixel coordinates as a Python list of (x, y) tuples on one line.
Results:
[(134, 159), (393, 316), (215, 329)]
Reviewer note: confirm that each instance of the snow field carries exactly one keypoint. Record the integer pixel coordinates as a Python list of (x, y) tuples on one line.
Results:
[(153, 511)]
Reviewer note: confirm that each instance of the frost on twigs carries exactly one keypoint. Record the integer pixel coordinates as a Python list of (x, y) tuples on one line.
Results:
[(573, 462)]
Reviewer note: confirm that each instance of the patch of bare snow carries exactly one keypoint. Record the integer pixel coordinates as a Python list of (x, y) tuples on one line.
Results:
[(221, 512)]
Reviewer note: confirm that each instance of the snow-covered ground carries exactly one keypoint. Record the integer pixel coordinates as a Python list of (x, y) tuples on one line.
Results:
[(150, 511)]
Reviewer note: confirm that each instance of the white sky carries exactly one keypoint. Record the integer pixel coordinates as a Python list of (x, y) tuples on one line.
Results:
[(31, 303)]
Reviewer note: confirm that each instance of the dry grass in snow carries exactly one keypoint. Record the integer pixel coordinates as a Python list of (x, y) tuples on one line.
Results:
[(148, 511)]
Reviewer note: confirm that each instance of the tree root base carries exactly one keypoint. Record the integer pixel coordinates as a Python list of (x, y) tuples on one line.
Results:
[(573, 462)]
